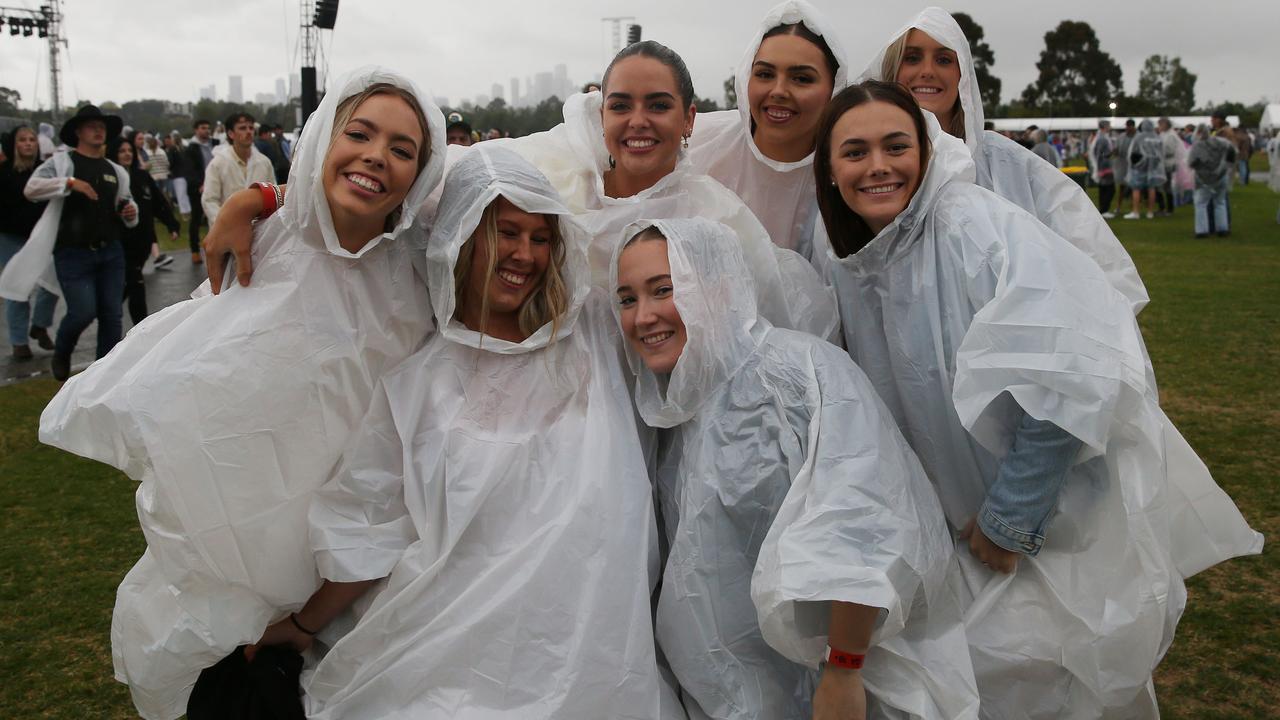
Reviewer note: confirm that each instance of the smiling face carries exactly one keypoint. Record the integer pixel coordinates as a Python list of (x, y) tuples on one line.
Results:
[(650, 320), (497, 288), (788, 88), (124, 155), (644, 121), (371, 165), (875, 161), (932, 73)]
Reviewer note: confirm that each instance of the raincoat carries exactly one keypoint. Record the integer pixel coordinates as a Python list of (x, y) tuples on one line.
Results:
[(1273, 157), (1146, 158), (230, 426), (781, 194), (1018, 175), (573, 157), (828, 505), (1016, 322), (503, 488)]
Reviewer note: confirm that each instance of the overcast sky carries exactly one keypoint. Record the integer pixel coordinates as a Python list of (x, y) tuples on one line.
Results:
[(132, 49)]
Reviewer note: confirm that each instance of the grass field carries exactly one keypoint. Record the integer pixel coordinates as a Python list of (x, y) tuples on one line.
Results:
[(68, 532)]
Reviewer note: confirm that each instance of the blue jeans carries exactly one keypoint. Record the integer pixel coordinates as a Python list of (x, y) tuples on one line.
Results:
[(1215, 194), (92, 284), (18, 314), (1243, 170)]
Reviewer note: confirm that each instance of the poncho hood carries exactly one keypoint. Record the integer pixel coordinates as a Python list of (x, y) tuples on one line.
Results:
[(716, 299), (940, 26), (306, 210), (475, 181), (786, 13)]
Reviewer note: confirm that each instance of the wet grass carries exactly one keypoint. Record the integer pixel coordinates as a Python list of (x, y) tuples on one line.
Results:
[(68, 532)]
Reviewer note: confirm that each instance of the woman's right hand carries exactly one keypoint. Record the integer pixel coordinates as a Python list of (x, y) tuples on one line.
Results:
[(282, 632), (232, 234)]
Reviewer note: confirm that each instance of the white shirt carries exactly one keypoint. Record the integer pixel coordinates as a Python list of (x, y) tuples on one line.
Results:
[(227, 173)]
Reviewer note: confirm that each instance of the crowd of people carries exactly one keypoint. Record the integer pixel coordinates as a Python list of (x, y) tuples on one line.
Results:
[(833, 405), (86, 210)]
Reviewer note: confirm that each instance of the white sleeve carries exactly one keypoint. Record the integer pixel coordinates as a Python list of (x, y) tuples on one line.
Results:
[(46, 183), (125, 193), (359, 523), (211, 199)]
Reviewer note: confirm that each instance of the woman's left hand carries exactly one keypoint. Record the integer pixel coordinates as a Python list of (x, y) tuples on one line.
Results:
[(840, 695)]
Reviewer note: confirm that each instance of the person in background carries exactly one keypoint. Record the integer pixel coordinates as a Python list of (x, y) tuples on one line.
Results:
[(236, 166), (1244, 150), (1121, 163), (1045, 149), (1171, 146), (592, 86), (139, 141), (1273, 157), (177, 173), (1211, 158), (18, 216), (495, 134), (91, 200), (197, 156), (46, 140), (140, 242), (266, 144), (1146, 169), (159, 168), (458, 131), (1101, 156), (286, 154)]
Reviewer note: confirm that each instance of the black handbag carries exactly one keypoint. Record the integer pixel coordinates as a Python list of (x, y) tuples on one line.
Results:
[(236, 689)]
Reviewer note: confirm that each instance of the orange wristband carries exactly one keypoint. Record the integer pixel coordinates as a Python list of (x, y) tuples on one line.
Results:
[(842, 659), (270, 199)]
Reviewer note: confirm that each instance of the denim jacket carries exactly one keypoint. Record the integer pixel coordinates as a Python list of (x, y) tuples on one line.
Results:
[(1021, 500)]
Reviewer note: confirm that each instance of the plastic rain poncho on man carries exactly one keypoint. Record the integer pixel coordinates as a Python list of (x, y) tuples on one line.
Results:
[(231, 409), (780, 451), (781, 194), (572, 155), (502, 487), (1146, 158), (1018, 175), (1018, 322)]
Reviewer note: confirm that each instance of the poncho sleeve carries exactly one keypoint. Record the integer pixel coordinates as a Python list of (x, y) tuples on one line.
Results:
[(360, 525), (860, 523)]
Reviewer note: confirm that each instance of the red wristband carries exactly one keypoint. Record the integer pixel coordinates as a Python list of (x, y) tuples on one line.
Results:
[(842, 659), (270, 199)]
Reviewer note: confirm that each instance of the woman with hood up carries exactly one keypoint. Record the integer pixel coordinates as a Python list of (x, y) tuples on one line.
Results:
[(930, 55), (782, 480), (226, 478), (1021, 382), (140, 242), (620, 155), (1146, 169), (498, 484), (763, 149)]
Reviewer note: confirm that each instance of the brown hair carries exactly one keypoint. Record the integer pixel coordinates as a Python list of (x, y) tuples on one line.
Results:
[(848, 232), (347, 108), (548, 301), (801, 30), (663, 54), (889, 72)]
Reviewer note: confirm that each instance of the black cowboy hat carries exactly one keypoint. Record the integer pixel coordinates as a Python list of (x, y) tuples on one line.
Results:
[(89, 112)]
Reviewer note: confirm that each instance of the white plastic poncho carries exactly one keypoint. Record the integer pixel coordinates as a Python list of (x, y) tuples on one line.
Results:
[(1016, 320), (572, 155), (781, 194), (1148, 150), (502, 487), (1017, 174), (1273, 157), (231, 425), (782, 462)]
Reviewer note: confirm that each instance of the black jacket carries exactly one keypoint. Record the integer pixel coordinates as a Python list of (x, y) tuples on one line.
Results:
[(18, 215), (193, 162)]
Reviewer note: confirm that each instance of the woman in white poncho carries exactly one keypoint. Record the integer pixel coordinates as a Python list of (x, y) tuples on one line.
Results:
[(499, 482), (763, 149), (1018, 375), (778, 460), (229, 426), (931, 56), (618, 157)]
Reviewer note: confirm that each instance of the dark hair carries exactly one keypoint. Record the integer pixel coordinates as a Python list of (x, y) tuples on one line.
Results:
[(801, 30), (198, 122), (113, 151), (230, 123), (264, 130), (463, 124), (664, 55), (848, 232)]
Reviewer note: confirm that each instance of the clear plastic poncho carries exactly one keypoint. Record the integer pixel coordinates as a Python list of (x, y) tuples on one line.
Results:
[(232, 409), (1017, 320), (1148, 151), (781, 194), (572, 155), (1017, 174), (502, 487), (781, 462)]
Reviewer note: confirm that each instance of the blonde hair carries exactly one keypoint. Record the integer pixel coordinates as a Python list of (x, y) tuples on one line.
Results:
[(347, 109), (549, 299), (889, 73), (21, 164)]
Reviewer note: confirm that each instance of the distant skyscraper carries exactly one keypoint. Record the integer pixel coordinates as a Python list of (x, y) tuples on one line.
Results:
[(281, 96), (543, 87), (235, 89), (496, 90), (515, 92), (482, 100), (209, 92)]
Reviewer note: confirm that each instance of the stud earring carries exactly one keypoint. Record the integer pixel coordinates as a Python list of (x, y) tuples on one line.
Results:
[(685, 142)]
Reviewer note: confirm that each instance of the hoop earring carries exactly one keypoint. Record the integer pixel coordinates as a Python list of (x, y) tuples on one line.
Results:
[(685, 142)]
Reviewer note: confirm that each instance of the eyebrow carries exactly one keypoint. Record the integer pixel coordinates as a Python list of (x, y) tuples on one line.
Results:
[(650, 281), (790, 68), (650, 96), (890, 136), (394, 136), (920, 48)]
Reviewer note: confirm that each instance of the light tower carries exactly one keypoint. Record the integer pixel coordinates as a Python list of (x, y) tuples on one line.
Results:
[(315, 15), (44, 23)]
